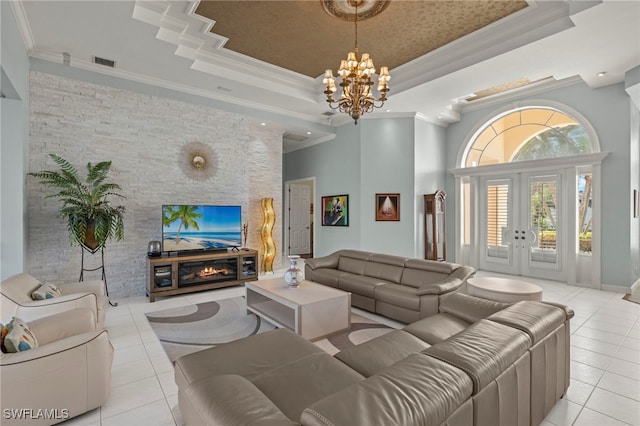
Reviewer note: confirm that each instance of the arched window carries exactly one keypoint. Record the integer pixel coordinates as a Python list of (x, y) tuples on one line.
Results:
[(523, 146), (530, 133)]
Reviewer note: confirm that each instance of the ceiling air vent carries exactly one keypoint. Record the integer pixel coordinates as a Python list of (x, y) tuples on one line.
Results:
[(103, 61)]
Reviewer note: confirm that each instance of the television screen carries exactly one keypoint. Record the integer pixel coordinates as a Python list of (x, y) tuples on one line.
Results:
[(189, 227)]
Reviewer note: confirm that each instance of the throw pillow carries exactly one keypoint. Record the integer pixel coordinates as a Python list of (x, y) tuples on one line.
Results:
[(16, 337), (46, 291)]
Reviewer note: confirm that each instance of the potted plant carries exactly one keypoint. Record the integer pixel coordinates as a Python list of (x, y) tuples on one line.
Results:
[(91, 219)]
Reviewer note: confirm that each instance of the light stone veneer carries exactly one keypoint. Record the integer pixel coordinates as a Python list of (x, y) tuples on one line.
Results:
[(142, 136)]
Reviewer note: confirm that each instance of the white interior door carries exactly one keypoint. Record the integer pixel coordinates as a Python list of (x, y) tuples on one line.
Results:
[(299, 219), (523, 224)]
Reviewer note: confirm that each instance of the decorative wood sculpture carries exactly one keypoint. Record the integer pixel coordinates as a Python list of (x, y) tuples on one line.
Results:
[(266, 234)]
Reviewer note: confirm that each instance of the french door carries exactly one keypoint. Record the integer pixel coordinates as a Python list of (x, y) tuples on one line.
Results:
[(523, 224)]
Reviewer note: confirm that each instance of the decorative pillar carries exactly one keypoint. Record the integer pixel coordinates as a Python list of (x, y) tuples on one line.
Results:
[(266, 234)]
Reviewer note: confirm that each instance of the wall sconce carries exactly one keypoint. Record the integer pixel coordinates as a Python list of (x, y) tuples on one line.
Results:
[(266, 234)]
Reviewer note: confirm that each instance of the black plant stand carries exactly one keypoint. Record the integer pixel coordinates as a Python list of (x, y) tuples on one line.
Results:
[(104, 276)]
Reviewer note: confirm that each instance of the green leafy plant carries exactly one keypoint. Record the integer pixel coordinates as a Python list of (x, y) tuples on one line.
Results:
[(91, 219)]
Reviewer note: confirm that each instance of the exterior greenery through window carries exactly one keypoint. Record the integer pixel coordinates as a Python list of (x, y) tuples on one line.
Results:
[(535, 133)]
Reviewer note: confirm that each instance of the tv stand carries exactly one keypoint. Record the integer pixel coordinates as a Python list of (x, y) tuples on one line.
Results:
[(171, 275)]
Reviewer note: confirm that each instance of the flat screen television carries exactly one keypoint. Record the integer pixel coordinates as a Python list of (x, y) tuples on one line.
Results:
[(187, 228)]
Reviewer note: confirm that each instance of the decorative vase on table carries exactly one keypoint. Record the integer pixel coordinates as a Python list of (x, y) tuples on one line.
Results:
[(293, 275)]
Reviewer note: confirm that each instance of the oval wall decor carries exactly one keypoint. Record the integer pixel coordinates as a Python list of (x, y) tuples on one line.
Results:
[(197, 161)]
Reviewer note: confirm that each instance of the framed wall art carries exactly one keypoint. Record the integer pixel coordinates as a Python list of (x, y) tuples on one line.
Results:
[(335, 210), (387, 207)]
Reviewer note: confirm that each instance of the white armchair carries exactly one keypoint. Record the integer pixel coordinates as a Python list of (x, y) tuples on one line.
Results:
[(16, 301), (67, 374)]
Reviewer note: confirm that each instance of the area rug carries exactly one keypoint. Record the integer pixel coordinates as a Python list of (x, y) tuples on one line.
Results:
[(193, 328)]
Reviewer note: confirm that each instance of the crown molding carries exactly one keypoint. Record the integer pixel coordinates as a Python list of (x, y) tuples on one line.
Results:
[(539, 20), (56, 57), (17, 7), (518, 93)]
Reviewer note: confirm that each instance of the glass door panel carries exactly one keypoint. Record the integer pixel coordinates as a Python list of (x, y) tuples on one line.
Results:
[(543, 235), (496, 229), (522, 225)]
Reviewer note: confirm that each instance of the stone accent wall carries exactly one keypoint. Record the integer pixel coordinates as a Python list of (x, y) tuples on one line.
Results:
[(142, 135)]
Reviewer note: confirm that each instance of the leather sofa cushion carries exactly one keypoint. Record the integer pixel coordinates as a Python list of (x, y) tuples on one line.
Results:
[(437, 328), (388, 259), (469, 308), (484, 350), (431, 265), (370, 357), (349, 264), (360, 284), (418, 390), (230, 400), (298, 384), (383, 271), (353, 261), (398, 295), (328, 277), (413, 277), (248, 357), (537, 319)]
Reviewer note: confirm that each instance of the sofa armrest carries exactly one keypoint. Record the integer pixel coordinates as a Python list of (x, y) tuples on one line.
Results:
[(567, 310), (65, 324), (35, 309), (444, 286), (53, 348), (229, 400), (463, 272), (96, 287), (330, 261)]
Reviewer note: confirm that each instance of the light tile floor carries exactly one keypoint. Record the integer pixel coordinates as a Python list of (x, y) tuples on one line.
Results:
[(605, 361)]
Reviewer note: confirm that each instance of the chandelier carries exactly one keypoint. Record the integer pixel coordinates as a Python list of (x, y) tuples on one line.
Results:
[(357, 97)]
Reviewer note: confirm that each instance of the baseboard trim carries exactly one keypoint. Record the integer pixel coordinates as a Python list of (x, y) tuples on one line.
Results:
[(618, 288)]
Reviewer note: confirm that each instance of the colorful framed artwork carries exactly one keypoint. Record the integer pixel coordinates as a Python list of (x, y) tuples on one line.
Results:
[(335, 210), (388, 207)]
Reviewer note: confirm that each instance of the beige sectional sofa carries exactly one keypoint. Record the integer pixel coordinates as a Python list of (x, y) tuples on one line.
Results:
[(477, 362), (396, 287)]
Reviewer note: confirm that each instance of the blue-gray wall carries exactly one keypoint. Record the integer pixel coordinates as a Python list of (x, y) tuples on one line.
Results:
[(14, 119), (376, 156), (607, 109), (381, 151)]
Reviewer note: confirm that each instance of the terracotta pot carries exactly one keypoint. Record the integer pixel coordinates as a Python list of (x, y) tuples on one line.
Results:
[(90, 243)]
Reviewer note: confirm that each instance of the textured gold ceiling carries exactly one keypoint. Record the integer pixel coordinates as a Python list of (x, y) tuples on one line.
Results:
[(302, 37)]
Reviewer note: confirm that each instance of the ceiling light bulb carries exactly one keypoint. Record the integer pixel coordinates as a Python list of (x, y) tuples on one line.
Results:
[(602, 73)]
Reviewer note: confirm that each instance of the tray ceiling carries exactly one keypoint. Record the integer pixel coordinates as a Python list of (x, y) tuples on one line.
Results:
[(302, 37)]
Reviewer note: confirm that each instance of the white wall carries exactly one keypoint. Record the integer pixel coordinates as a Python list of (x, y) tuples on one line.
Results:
[(142, 135)]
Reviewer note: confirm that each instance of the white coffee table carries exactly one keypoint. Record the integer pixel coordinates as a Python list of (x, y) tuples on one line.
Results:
[(312, 310), (503, 289)]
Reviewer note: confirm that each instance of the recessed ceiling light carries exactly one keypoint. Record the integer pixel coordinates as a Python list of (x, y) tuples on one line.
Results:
[(387, 110), (308, 133), (263, 124), (602, 73)]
